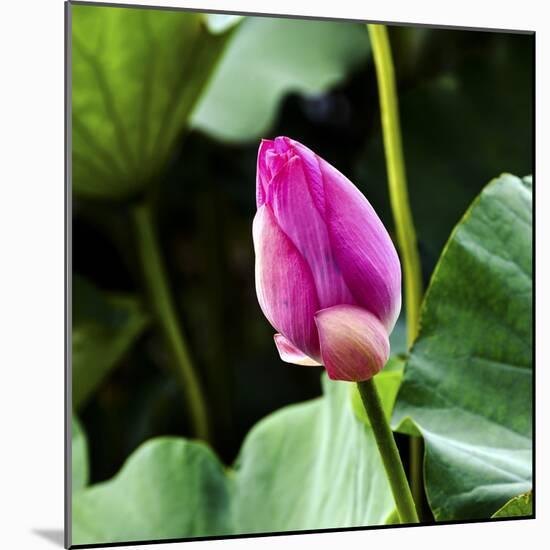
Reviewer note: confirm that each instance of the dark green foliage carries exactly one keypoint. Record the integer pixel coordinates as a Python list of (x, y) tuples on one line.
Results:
[(467, 385)]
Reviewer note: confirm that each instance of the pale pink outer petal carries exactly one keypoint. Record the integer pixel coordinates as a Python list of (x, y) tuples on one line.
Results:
[(354, 344), (297, 215), (362, 247), (291, 354), (284, 284)]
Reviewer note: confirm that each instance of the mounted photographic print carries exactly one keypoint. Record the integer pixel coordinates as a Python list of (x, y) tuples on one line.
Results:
[(300, 274)]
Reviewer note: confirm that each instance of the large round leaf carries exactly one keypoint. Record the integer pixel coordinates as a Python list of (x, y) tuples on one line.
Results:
[(311, 466), (308, 466), (268, 58), (467, 384), (169, 488), (136, 76)]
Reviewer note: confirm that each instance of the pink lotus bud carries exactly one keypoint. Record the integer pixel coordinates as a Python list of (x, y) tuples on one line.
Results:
[(328, 277)]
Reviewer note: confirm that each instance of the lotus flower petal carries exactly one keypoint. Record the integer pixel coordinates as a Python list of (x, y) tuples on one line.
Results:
[(322, 251), (289, 195), (284, 284), (354, 343), (291, 354), (362, 247)]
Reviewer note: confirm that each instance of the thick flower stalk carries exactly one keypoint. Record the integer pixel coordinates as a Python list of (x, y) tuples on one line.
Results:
[(328, 277)]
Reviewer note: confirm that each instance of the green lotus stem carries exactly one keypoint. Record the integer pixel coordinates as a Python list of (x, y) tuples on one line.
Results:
[(388, 451), (397, 181), (162, 302), (406, 235)]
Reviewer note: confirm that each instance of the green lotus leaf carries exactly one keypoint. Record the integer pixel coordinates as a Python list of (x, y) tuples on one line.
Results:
[(520, 506), (467, 387), (269, 58), (136, 75), (312, 465)]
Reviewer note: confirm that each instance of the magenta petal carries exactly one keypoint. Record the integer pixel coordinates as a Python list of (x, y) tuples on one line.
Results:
[(354, 344), (272, 156), (298, 216), (311, 163), (284, 284), (362, 247), (262, 173), (291, 354)]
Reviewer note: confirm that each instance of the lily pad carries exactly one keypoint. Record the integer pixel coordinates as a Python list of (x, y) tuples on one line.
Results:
[(308, 466), (311, 466), (467, 387), (169, 488), (271, 57), (136, 77)]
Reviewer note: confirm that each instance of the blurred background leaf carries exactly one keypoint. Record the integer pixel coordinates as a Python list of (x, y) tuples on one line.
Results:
[(104, 328), (136, 76), (168, 488), (79, 468), (218, 23), (172, 488), (468, 382), (268, 58)]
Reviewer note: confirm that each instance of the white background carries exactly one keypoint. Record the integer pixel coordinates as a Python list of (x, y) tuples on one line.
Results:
[(32, 270)]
